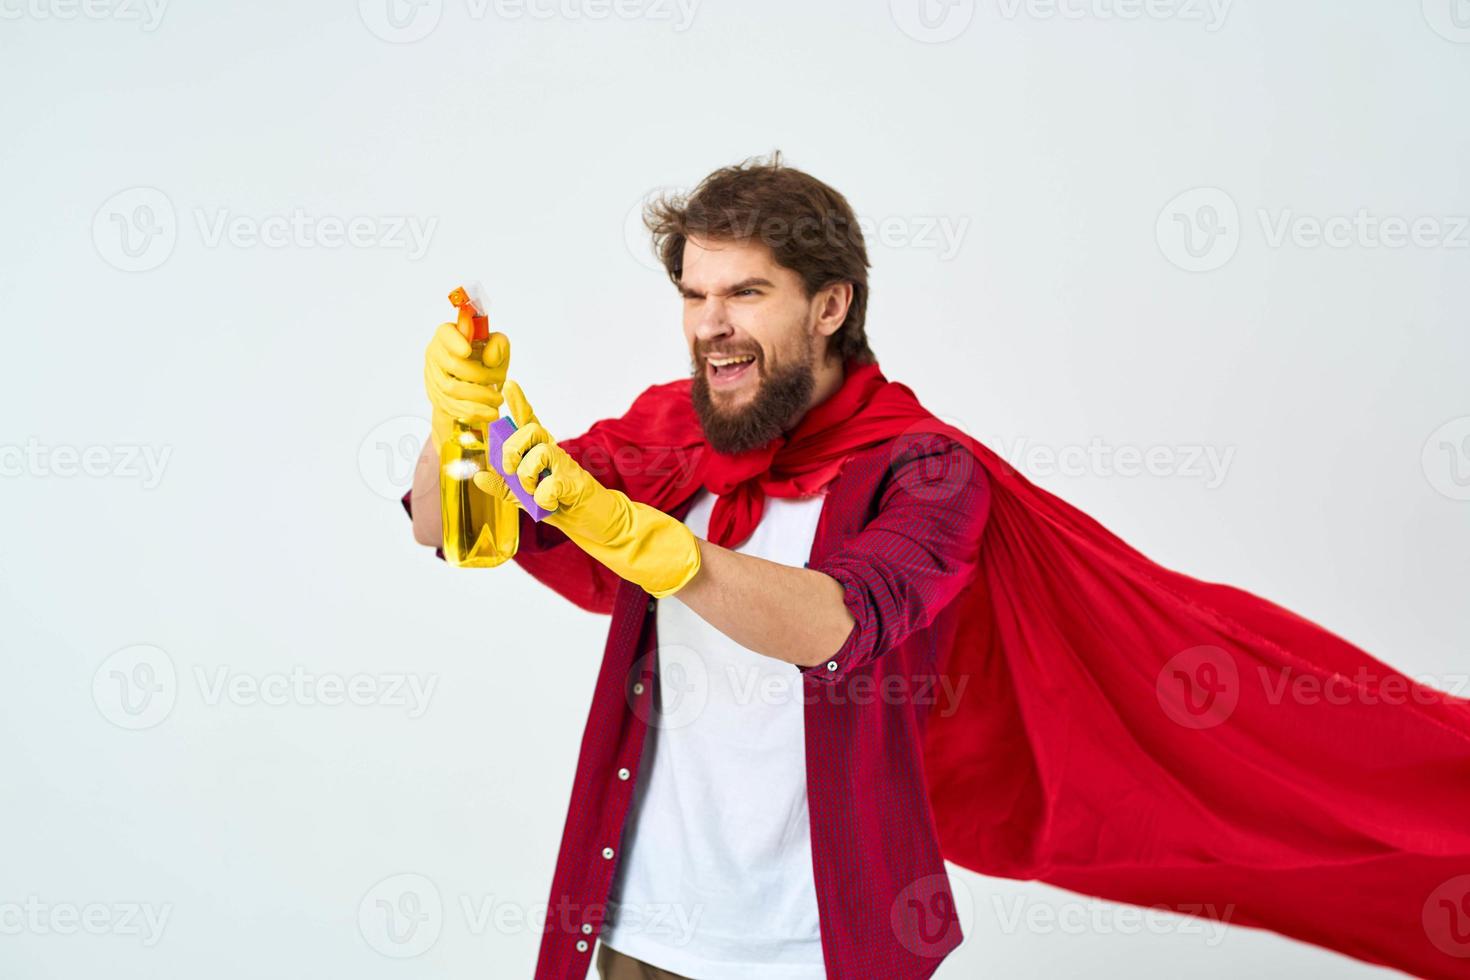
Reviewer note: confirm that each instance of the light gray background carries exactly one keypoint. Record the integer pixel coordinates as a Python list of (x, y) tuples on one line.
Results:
[(283, 384)]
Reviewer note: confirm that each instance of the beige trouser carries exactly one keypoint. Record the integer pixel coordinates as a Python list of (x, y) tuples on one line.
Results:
[(612, 965)]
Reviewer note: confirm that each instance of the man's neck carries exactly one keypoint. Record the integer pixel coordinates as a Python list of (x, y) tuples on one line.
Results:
[(829, 375)]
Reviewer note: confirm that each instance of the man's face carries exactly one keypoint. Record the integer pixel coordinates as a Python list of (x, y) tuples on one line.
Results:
[(753, 342)]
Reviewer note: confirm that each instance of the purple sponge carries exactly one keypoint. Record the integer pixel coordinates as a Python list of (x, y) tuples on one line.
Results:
[(498, 432)]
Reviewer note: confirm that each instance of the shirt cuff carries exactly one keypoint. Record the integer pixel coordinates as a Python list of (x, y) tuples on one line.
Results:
[(845, 660)]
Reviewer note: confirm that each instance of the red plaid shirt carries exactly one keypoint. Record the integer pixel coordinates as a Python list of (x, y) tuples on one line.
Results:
[(900, 529)]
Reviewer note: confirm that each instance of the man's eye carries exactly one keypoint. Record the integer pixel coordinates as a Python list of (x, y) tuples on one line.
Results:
[(748, 292)]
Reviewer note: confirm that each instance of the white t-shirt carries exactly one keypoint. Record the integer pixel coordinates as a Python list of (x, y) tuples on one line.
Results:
[(716, 877)]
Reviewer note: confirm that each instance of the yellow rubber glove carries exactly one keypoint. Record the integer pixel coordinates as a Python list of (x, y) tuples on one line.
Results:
[(461, 386), (637, 542)]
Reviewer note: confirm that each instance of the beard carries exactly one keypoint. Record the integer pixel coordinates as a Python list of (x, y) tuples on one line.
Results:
[(780, 400)]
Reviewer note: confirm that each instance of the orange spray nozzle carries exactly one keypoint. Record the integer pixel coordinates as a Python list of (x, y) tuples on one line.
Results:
[(473, 324)]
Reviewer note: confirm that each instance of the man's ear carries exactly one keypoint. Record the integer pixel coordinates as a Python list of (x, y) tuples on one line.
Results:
[(832, 302)]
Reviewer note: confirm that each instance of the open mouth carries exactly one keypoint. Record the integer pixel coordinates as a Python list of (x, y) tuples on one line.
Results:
[(725, 371)]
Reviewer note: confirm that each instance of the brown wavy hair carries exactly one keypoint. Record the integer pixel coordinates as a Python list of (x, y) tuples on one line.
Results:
[(809, 227)]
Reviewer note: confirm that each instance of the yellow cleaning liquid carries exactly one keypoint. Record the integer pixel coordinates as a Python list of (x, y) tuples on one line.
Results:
[(478, 533)]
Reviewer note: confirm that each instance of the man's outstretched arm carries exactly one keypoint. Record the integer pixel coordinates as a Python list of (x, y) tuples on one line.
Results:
[(792, 614), (887, 581)]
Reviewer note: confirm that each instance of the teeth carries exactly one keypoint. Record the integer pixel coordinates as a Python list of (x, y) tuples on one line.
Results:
[(727, 361)]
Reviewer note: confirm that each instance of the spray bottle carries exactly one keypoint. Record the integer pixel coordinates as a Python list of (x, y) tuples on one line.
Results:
[(478, 533)]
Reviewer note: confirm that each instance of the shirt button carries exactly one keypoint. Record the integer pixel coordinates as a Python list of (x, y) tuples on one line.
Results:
[(623, 774), (581, 945), (652, 605), (638, 688), (586, 929), (831, 666), (607, 852)]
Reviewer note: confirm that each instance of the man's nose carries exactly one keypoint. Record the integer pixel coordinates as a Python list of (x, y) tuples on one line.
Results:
[(712, 323)]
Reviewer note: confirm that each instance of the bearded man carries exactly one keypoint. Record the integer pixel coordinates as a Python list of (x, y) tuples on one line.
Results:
[(848, 642)]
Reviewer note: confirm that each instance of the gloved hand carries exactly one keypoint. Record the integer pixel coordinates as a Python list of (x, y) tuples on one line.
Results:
[(461, 386), (639, 543)]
